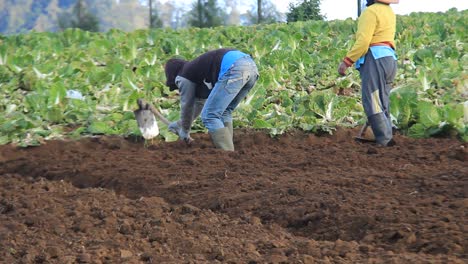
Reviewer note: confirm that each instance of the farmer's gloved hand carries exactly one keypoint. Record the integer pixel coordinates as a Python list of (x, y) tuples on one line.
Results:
[(342, 68), (177, 129), (174, 127)]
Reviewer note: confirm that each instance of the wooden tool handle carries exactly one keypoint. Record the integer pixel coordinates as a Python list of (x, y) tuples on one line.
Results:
[(145, 105)]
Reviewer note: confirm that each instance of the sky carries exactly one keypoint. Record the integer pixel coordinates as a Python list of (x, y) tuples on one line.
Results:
[(342, 9)]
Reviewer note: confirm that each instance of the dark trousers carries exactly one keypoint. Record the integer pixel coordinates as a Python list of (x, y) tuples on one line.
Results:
[(377, 76)]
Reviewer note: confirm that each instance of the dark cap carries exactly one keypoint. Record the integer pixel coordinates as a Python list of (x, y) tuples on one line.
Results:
[(172, 69)]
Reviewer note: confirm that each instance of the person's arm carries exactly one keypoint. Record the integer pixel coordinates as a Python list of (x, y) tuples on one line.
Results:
[(199, 104), (187, 105), (187, 102), (366, 28)]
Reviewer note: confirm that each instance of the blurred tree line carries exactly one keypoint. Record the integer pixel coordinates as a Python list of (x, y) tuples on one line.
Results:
[(21, 16)]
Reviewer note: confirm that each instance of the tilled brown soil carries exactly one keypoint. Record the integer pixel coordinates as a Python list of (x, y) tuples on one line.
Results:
[(298, 198)]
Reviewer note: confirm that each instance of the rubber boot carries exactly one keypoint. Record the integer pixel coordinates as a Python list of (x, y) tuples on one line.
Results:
[(381, 129), (229, 126), (222, 139)]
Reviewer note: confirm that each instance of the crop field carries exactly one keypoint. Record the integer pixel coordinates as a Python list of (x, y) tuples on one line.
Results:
[(297, 198), (79, 185)]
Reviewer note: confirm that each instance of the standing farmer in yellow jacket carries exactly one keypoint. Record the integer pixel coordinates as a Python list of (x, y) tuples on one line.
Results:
[(374, 56)]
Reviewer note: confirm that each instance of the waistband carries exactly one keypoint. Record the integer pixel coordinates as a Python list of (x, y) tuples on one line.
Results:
[(385, 43)]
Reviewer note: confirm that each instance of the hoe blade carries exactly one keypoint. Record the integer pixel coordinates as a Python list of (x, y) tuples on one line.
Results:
[(146, 123), (362, 132), (364, 140)]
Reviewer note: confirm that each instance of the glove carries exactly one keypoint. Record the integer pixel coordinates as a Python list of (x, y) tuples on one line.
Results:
[(342, 68), (175, 128)]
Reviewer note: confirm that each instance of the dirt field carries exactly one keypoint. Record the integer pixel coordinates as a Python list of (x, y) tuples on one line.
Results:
[(298, 198)]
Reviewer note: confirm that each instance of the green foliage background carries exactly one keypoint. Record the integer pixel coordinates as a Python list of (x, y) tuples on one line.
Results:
[(299, 86), (306, 10), (43, 15)]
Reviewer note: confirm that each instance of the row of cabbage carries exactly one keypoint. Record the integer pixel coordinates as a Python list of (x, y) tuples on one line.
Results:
[(299, 88)]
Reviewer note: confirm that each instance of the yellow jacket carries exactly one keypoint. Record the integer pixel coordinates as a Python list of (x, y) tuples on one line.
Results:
[(376, 26)]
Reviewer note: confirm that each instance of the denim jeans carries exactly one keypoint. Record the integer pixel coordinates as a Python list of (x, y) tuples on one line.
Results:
[(228, 92)]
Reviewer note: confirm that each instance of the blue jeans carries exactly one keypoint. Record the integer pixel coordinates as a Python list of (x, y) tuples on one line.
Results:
[(228, 92)]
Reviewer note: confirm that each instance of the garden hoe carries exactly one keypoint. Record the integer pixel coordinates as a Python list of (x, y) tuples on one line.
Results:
[(146, 120), (361, 138)]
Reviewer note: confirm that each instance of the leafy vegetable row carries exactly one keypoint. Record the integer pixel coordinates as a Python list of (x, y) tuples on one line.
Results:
[(298, 88)]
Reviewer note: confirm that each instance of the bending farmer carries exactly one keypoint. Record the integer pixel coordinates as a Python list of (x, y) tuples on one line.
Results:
[(374, 56), (214, 84)]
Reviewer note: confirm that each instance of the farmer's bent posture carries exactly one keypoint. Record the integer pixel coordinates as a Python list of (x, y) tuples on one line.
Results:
[(374, 56), (214, 84)]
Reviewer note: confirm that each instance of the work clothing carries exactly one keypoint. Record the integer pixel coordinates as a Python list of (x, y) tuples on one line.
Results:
[(376, 26), (193, 109), (204, 71), (223, 77), (230, 127), (377, 76), (374, 55), (228, 92), (172, 68), (222, 139)]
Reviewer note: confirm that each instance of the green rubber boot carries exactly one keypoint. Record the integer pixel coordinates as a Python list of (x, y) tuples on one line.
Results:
[(229, 126), (222, 139)]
